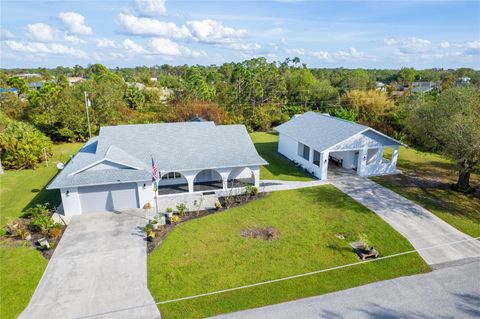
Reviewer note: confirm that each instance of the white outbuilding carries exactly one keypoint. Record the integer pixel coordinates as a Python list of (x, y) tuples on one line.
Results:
[(114, 170), (316, 141)]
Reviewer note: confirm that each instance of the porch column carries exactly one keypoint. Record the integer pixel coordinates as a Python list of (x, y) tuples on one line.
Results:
[(380, 154), (190, 179), (394, 156), (362, 162), (224, 174), (324, 165), (256, 176)]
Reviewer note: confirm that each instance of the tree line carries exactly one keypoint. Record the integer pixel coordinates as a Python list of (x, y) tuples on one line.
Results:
[(255, 92)]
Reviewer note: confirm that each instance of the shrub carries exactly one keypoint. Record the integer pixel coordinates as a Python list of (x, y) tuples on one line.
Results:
[(37, 210), (21, 144), (218, 205), (41, 223), (181, 209), (54, 233), (169, 210), (175, 219), (251, 190)]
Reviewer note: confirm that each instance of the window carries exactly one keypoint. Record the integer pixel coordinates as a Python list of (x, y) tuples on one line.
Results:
[(172, 175), (316, 158), (304, 151)]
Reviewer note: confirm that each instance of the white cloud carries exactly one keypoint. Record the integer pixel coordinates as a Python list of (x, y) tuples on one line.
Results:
[(167, 47), (212, 31), (43, 49), (133, 47), (411, 45), (5, 34), (243, 46), (41, 32), (152, 27), (445, 44), (105, 43), (321, 55), (72, 39), (472, 48), (75, 22), (150, 8)]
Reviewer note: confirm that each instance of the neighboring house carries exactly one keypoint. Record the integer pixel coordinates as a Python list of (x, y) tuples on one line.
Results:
[(114, 170), (380, 86), (463, 81), (35, 85), (72, 80), (423, 87), (315, 141), (29, 75), (138, 85)]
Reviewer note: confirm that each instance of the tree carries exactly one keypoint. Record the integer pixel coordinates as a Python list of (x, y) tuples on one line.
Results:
[(450, 123), (370, 106), (406, 75), (17, 83), (21, 144)]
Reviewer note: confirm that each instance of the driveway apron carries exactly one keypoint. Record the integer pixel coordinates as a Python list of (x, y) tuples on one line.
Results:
[(422, 228), (98, 270)]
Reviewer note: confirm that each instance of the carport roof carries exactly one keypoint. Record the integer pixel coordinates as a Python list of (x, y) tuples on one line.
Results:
[(173, 146), (322, 131)]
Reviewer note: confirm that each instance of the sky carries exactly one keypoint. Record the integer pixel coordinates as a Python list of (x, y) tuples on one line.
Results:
[(352, 34)]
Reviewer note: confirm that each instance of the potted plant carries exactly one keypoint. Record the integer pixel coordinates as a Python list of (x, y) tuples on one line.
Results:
[(169, 212), (154, 223)]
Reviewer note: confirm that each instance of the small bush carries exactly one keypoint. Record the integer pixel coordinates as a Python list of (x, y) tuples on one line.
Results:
[(54, 233), (37, 210), (41, 223), (251, 190), (169, 210), (181, 209), (218, 205), (175, 219)]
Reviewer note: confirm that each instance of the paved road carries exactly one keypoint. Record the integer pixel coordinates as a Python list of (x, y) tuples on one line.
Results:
[(451, 292), (97, 271), (422, 228)]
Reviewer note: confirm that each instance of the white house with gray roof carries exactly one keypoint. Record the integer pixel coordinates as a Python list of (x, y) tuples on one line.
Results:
[(316, 141), (113, 171)]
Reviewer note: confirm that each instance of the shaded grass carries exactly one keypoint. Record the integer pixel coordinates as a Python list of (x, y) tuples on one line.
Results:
[(208, 254), (279, 167), (21, 269), (427, 180), (22, 189)]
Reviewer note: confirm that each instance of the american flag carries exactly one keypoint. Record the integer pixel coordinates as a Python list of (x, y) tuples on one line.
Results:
[(154, 175)]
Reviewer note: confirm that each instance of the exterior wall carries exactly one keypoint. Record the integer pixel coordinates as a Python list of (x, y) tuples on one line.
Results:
[(71, 202), (347, 157), (145, 193), (288, 147)]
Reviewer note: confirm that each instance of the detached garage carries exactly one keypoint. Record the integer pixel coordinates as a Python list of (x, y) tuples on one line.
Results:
[(316, 141)]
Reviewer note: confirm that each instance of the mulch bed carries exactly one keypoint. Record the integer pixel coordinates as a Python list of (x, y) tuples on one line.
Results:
[(228, 203), (14, 241)]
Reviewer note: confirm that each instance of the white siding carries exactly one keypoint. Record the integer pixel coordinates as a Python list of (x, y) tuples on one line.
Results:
[(70, 201)]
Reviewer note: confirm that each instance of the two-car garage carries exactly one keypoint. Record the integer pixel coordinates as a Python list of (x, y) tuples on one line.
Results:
[(109, 197)]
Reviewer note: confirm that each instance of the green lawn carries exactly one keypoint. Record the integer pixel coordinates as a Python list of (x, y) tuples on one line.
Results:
[(279, 167), (21, 269), (208, 254), (426, 180), (24, 188)]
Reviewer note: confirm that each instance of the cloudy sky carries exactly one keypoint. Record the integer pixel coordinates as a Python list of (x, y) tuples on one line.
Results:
[(369, 34)]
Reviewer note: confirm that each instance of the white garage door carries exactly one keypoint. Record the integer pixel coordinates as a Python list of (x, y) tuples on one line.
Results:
[(108, 197)]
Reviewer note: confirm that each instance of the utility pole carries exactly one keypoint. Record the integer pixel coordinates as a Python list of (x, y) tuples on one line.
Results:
[(87, 105)]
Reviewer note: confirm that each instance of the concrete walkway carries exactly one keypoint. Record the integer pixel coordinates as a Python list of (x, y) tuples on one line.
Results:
[(452, 292), (98, 270), (277, 185), (422, 228)]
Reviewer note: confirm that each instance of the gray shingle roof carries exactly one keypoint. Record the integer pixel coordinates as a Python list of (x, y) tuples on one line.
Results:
[(321, 131), (173, 146)]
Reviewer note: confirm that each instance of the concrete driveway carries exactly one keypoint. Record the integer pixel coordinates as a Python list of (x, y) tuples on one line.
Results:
[(422, 228), (452, 292), (98, 270)]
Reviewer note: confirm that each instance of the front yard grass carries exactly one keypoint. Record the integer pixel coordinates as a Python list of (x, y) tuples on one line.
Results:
[(208, 254), (279, 167), (426, 180), (22, 267), (20, 271)]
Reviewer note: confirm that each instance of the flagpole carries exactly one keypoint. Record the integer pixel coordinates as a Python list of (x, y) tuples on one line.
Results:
[(88, 116)]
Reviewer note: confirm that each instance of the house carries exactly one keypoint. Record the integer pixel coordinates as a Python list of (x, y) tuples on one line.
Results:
[(114, 170), (317, 141), (380, 86), (463, 81), (423, 87), (72, 80), (35, 85)]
